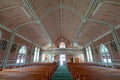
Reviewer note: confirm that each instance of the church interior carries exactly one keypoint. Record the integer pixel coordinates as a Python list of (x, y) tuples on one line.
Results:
[(59, 39)]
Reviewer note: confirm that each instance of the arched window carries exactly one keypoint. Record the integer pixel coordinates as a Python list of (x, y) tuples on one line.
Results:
[(36, 55), (89, 54), (62, 45), (22, 55), (106, 59)]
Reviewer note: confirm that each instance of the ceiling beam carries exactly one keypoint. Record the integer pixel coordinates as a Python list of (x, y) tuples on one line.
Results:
[(102, 22), (61, 22), (11, 19), (31, 1), (11, 7), (5, 28), (36, 18), (100, 3), (64, 7), (110, 1), (23, 24), (105, 34), (90, 9), (9, 30), (23, 37), (105, 23), (110, 14)]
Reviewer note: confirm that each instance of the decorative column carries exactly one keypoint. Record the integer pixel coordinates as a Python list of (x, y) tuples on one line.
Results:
[(116, 39), (39, 53), (94, 53), (52, 52), (73, 53), (16, 55), (115, 36), (31, 54), (85, 55), (4, 62)]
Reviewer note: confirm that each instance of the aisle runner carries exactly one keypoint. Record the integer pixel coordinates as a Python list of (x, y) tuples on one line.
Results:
[(62, 73)]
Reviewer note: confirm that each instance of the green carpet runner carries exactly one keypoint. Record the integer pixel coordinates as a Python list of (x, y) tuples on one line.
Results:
[(62, 73)]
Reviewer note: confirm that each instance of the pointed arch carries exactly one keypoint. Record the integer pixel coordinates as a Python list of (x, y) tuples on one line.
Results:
[(22, 55), (62, 45), (105, 56)]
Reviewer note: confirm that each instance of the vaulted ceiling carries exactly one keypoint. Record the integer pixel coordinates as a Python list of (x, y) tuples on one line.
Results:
[(45, 21)]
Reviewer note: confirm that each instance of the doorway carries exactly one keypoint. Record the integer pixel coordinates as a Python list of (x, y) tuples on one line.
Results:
[(62, 58)]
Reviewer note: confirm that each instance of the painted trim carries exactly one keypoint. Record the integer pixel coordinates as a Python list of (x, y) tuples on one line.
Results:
[(11, 7), (13, 19), (9, 30), (23, 24), (101, 22)]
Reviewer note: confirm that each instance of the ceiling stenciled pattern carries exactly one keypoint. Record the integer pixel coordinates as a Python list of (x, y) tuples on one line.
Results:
[(46, 21)]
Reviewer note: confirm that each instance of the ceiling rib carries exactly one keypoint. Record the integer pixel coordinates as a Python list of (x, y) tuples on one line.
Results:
[(105, 34), (36, 18), (113, 2), (71, 17), (61, 6), (22, 25), (102, 22), (12, 7), (11, 19), (90, 9), (100, 3), (105, 23), (109, 14), (61, 23), (9, 30), (26, 13)]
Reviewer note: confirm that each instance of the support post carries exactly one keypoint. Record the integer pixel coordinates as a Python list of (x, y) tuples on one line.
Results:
[(85, 55), (31, 53), (111, 55), (73, 53), (51, 52), (115, 36), (4, 62), (94, 53), (39, 54), (73, 56), (16, 55), (116, 39), (40, 59)]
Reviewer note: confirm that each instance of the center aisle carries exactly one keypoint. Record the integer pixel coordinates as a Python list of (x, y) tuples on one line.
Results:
[(62, 73)]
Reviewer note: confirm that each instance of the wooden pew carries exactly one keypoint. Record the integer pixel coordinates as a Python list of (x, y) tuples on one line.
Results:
[(84, 72), (11, 75), (43, 72)]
